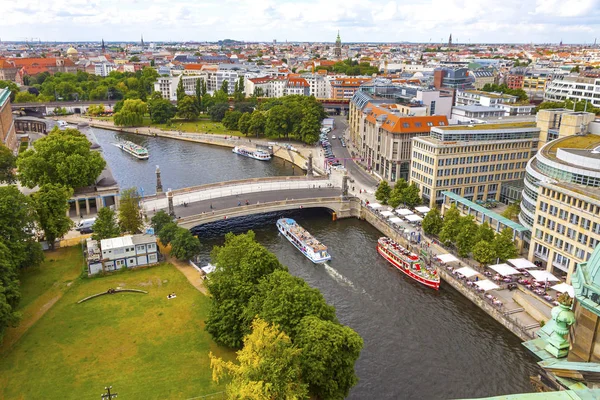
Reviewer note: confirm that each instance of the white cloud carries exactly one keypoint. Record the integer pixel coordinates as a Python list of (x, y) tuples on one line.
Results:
[(304, 20)]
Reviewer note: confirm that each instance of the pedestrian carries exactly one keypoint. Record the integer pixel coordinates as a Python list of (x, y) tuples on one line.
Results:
[(239, 203), (211, 207)]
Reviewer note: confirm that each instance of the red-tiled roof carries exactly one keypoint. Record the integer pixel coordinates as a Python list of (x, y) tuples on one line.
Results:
[(196, 67), (400, 124)]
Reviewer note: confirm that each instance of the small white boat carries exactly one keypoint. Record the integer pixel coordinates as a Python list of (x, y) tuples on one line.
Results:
[(61, 125), (252, 153), (139, 152), (314, 250)]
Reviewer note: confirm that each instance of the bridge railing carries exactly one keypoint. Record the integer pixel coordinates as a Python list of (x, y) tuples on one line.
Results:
[(265, 180)]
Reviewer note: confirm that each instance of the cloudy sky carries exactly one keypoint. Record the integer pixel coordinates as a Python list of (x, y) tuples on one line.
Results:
[(523, 21)]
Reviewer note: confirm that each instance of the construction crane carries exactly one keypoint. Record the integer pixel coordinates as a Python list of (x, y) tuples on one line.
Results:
[(30, 39)]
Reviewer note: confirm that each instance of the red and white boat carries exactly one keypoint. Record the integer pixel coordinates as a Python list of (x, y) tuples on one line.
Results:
[(407, 262)]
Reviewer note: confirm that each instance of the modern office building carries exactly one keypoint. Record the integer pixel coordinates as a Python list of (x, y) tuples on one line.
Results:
[(452, 78), (487, 99), (559, 123), (576, 88), (344, 88), (561, 201), (472, 161), (8, 133)]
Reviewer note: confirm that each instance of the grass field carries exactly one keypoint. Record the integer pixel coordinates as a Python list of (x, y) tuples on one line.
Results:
[(144, 345), (202, 125)]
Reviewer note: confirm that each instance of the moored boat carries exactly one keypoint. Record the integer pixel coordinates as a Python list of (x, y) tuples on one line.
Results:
[(408, 263), (252, 153), (314, 250), (139, 152)]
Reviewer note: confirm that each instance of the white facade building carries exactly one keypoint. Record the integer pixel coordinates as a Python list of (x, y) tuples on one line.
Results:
[(103, 68), (127, 251), (574, 88)]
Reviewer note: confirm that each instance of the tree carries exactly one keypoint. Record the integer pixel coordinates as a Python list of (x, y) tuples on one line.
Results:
[(433, 223), (161, 111), (51, 204), (258, 92), (512, 211), (465, 240), (17, 224), (8, 164), (167, 233), (329, 352), (240, 264), (180, 90), (10, 295), (217, 112), (396, 195), (278, 122), (62, 157), (484, 253), (131, 114), (159, 220), (244, 123), (411, 196), (14, 89), (268, 367), (504, 245), (134, 59), (96, 109), (224, 87), (231, 120), (199, 93), (184, 245), (187, 108), (382, 194), (484, 232), (238, 94), (257, 123), (451, 225), (284, 299), (105, 226), (25, 97), (130, 216)]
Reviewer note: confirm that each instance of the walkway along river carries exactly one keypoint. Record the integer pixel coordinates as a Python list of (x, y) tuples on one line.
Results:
[(419, 343)]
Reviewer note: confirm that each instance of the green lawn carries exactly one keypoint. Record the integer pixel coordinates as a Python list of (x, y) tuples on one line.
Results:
[(144, 345)]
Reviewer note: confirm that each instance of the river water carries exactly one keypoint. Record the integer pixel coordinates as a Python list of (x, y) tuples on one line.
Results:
[(419, 343)]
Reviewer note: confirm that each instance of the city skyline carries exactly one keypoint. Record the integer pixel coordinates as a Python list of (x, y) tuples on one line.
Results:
[(469, 21)]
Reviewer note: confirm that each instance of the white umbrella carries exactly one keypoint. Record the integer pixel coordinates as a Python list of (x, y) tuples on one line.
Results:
[(387, 213), (447, 258), (542, 276), (395, 220), (467, 272), (403, 211), (563, 287), (486, 285), (374, 205), (504, 269), (423, 209), (521, 263), (413, 218)]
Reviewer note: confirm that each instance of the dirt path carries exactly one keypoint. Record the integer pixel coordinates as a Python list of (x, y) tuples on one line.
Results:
[(190, 273)]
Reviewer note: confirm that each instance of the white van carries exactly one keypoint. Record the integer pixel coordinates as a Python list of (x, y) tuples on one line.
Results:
[(85, 225)]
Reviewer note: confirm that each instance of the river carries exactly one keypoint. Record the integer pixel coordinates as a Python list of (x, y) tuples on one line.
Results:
[(419, 343), (182, 164)]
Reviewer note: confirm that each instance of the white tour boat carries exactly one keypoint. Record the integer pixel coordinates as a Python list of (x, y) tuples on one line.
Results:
[(139, 152), (314, 250), (252, 153)]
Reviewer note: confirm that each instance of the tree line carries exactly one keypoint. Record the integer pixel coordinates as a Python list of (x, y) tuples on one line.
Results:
[(401, 193), (492, 87), (291, 343), (462, 232)]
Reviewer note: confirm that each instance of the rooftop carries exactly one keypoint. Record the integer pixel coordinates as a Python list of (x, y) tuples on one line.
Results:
[(505, 125), (116, 243), (574, 142)]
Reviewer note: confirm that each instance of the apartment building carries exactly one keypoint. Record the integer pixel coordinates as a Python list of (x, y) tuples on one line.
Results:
[(471, 161), (559, 123), (104, 68), (515, 80), (344, 88), (561, 202), (576, 88), (487, 99), (319, 85), (482, 78), (8, 134)]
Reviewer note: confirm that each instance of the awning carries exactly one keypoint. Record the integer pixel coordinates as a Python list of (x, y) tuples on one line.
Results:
[(504, 269), (521, 263), (467, 272), (542, 276), (387, 213), (395, 220), (423, 209), (563, 287), (486, 285), (374, 205), (447, 258), (403, 211), (413, 218)]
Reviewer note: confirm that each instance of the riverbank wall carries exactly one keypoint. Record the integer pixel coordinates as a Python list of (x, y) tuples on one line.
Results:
[(372, 218)]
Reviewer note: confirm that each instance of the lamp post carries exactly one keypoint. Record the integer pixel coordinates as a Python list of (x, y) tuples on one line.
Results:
[(108, 395)]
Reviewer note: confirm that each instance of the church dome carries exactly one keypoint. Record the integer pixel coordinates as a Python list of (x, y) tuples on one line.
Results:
[(71, 51)]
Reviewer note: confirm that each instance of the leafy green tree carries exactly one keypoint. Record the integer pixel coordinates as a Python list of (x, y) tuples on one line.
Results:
[(187, 108), (96, 109), (512, 211), (258, 92), (17, 222), (433, 223), (451, 225), (131, 114), (396, 195), (224, 87), (10, 293), (199, 93), (62, 157), (25, 97), (8, 164), (244, 123), (167, 233), (185, 245), (485, 232), (14, 89), (484, 253), (180, 91), (467, 231), (217, 112), (383, 192), (105, 226), (268, 367), (277, 124), (231, 120), (161, 111), (504, 245), (329, 352), (130, 216), (159, 220), (51, 204), (284, 299), (257, 123), (238, 94), (411, 196), (241, 263)]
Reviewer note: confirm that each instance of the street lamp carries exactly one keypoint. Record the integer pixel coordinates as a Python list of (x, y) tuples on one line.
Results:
[(108, 395)]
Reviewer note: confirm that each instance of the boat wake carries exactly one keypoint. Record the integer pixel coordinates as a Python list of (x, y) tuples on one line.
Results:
[(337, 276)]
